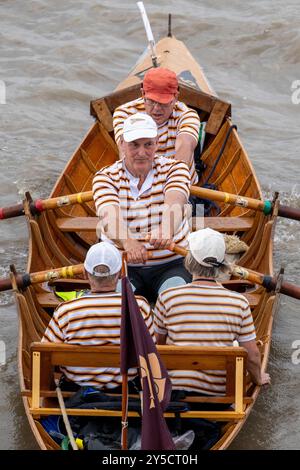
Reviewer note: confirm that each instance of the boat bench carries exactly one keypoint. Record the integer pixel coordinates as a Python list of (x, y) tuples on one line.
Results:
[(222, 224), (45, 356)]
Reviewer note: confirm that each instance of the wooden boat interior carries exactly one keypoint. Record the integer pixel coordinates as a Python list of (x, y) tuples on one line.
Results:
[(62, 236), (37, 373)]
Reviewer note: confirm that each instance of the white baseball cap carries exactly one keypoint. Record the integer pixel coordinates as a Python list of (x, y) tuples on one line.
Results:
[(103, 254), (207, 247), (139, 126)]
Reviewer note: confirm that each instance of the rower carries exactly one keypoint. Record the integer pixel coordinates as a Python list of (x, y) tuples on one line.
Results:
[(204, 313), (178, 125), (141, 201), (95, 319)]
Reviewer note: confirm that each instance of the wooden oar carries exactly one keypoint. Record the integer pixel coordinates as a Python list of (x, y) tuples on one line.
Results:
[(269, 282), (25, 280), (242, 201), (40, 205)]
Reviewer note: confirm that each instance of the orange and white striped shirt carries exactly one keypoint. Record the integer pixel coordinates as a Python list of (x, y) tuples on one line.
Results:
[(202, 315), (93, 320), (183, 120), (142, 211)]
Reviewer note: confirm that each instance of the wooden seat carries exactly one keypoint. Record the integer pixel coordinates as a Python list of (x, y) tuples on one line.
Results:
[(77, 224), (231, 359), (225, 224), (48, 300), (222, 224)]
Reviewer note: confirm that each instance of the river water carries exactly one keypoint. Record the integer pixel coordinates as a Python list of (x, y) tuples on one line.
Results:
[(57, 56)]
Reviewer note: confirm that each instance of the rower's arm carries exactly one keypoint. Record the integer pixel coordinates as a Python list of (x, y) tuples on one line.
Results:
[(184, 148), (254, 363), (171, 219), (176, 190), (115, 228), (112, 223), (173, 212)]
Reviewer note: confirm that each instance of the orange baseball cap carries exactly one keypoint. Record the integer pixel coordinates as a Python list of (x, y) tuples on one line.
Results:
[(160, 85)]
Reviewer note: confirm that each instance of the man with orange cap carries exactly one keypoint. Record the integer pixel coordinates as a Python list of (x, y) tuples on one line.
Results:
[(178, 125)]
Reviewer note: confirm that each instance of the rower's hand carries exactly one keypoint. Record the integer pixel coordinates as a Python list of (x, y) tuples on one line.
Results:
[(136, 251), (159, 241), (265, 379)]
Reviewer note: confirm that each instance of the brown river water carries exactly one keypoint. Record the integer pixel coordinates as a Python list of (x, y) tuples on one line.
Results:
[(57, 56)]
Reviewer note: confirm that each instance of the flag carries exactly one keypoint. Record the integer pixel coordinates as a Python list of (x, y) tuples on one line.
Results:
[(138, 350)]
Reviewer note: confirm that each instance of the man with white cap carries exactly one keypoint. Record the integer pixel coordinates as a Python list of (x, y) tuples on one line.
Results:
[(204, 313), (95, 318), (141, 202)]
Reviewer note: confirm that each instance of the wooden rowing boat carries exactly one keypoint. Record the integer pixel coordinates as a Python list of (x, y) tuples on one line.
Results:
[(61, 237)]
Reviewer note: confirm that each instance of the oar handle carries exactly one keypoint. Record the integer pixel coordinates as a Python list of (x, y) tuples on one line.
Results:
[(178, 249), (11, 211), (289, 212)]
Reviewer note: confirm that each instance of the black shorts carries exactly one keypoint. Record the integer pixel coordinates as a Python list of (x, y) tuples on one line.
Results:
[(147, 280)]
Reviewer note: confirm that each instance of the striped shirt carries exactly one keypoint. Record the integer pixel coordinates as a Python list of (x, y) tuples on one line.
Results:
[(93, 320), (202, 315), (183, 120), (142, 211)]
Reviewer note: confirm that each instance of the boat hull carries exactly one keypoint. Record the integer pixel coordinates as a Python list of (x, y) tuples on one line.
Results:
[(52, 244)]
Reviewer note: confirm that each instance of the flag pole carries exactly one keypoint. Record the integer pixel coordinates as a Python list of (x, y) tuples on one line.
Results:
[(124, 273)]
